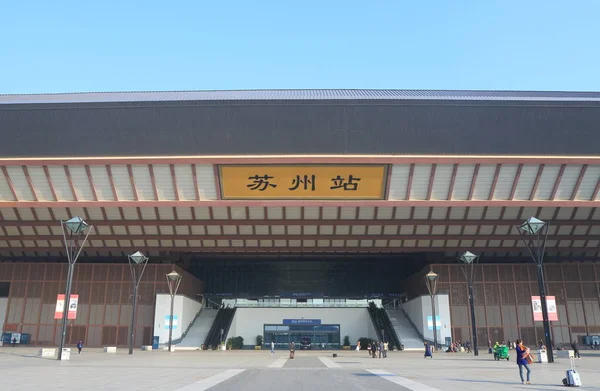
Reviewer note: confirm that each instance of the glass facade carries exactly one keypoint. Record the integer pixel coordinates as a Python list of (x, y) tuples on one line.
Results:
[(104, 309), (502, 294), (304, 336)]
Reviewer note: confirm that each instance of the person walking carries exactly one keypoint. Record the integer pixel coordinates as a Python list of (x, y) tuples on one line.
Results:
[(272, 348), (358, 346), (79, 347), (292, 349), (522, 361), (428, 350), (575, 347)]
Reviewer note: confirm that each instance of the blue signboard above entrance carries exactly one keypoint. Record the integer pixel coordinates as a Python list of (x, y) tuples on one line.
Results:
[(313, 322)]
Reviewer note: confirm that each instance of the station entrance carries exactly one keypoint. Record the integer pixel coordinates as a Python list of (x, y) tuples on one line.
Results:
[(304, 336)]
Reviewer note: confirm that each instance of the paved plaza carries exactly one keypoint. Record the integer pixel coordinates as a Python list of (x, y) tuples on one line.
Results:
[(21, 369)]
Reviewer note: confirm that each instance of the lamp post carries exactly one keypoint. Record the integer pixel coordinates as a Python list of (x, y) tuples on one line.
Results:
[(72, 231), (431, 282), (468, 261), (534, 233), (137, 265), (173, 279)]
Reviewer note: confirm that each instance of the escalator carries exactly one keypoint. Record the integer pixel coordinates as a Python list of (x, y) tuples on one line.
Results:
[(222, 322), (383, 326)]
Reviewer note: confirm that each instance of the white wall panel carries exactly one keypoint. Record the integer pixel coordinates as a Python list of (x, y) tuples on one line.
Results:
[(185, 181), (492, 213), (348, 213), (122, 181), (102, 183), (148, 213), (457, 212), (385, 212), (330, 213), (366, 212), (568, 181), (441, 182), (292, 212), (202, 213), (462, 184), (25, 213), (399, 181), (206, 181), (40, 183), (220, 212), (81, 183), (111, 213), (403, 213), (184, 213), (5, 193), (20, 184), (275, 212), (44, 214), (164, 182), (588, 184), (59, 179), (311, 212), (506, 178), (166, 213), (485, 178), (439, 213), (143, 181), (547, 181), (420, 182), (238, 212), (526, 181)]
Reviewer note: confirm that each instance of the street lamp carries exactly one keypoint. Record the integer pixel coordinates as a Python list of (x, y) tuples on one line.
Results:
[(431, 282), (534, 233), (173, 279), (468, 261), (72, 231), (137, 265)]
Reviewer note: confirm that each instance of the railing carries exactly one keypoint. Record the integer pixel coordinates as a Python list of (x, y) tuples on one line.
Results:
[(300, 305)]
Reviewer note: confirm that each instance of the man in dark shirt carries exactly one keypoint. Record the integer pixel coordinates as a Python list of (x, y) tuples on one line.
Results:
[(575, 347)]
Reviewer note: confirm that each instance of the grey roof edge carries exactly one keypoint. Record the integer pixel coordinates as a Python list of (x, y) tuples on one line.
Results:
[(300, 95)]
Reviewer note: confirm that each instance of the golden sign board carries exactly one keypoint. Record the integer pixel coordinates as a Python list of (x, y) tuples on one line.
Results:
[(305, 181)]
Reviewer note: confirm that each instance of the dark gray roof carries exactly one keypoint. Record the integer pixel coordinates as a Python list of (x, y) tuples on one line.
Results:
[(326, 94)]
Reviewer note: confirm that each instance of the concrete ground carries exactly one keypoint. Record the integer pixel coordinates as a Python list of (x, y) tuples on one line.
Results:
[(21, 369)]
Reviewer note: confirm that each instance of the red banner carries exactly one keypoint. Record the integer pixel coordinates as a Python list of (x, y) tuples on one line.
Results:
[(536, 304), (60, 306)]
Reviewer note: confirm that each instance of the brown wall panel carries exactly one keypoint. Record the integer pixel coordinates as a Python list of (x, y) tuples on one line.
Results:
[(503, 293), (105, 301)]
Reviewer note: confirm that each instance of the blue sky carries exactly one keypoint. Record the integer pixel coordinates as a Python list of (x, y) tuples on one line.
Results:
[(74, 46)]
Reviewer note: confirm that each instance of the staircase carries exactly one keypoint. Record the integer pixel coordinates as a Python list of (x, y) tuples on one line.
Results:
[(197, 333), (405, 330)]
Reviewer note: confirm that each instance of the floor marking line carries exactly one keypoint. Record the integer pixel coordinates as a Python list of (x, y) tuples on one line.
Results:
[(211, 381), (329, 363), (402, 381), (279, 363)]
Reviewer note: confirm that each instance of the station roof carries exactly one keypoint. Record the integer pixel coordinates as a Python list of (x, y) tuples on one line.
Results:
[(295, 122)]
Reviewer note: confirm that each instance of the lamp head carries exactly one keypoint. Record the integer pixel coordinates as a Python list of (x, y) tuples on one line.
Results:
[(138, 257), (467, 257), (76, 225), (532, 226), (431, 276), (173, 276)]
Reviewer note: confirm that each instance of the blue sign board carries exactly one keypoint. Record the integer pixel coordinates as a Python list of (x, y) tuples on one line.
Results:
[(311, 322), (438, 323), (168, 322)]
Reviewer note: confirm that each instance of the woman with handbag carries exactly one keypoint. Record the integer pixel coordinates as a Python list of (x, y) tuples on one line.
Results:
[(524, 358)]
